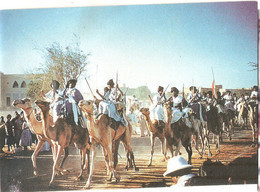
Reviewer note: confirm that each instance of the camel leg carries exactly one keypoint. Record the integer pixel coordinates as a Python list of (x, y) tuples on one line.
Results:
[(106, 159), (163, 148), (196, 144), (177, 150), (218, 144), (54, 151), (55, 165), (130, 156), (189, 151), (206, 143), (170, 148), (66, 151), (34, 155), (115, 152), (94, 152), (152, 150), (112, 171), (88, 164), (253, 132), (83, 161)]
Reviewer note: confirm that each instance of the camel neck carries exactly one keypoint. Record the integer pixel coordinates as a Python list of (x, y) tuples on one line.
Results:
[(149, 122), (34, 124), (45, 122), (168, 119)]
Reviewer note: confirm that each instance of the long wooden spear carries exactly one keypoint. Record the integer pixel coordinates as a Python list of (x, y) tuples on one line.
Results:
[(90, 88)]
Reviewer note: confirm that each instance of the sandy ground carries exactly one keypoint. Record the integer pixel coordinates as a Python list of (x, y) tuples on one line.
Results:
[(17, 172)]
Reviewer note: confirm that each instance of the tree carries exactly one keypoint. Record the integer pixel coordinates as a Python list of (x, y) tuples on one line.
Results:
[(142, 92), (253, 66), (35, 88), (61, 64)]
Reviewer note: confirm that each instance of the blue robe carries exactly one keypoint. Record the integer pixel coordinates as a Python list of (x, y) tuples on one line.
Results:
[(74, 96)]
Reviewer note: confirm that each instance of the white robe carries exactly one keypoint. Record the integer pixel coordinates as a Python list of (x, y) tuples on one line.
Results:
[(156, 110), (107, 107), (55, 102)]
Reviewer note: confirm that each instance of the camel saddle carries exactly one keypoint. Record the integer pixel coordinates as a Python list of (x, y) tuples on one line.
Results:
[(120, 105)]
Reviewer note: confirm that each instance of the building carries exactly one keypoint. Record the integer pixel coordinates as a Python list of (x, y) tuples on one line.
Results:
[(219, 88), (13, 86)]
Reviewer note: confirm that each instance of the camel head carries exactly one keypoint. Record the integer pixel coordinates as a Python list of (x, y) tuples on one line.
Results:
[(86, 106), (168, 108), (22, 103), (145, 111), (43, 105)]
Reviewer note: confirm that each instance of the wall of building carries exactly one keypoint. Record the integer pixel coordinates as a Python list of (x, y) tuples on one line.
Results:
[(13, 86)]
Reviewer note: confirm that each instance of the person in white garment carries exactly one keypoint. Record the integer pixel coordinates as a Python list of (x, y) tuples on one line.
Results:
[(108, 107), (228, 101), (254, 93), (193, 100), (253, 100), (176, 103), (156, 109), (54, 96), (132, 119), (179, 171), (143, 125), (239, 103)]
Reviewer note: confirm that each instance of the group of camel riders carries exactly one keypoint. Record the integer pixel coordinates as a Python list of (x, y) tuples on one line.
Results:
[(196, 102), (65, 103)]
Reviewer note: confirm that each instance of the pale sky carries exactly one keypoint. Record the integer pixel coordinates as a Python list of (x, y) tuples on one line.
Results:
[(147, 44)]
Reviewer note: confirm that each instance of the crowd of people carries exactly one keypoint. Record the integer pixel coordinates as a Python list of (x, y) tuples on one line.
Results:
[(15, 133)]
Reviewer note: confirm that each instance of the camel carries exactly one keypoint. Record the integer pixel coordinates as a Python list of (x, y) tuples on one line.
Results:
[(36, 127), (213, 125), (101, 133), (62, 134), (155, 132), (253, 120), (197, 128), (227, 120), (243, 114), (177, 133)]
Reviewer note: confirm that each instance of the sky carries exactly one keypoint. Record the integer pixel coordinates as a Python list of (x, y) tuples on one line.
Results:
[(149, 45)]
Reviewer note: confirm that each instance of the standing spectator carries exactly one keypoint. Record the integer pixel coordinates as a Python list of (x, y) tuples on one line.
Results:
[(26, 136), (18, 123), (143, 125), (132, 119), (9, 132), (2, 134)]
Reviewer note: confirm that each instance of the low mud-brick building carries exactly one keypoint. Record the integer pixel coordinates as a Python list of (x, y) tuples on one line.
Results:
[(13, 86)]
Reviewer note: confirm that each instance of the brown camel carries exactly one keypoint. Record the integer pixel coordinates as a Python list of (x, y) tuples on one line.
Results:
[(63, 133), (36, 127), (101, 133), (155, 131), (177, 133)]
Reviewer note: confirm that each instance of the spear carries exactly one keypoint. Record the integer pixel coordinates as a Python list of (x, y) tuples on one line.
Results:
[(89, 88)]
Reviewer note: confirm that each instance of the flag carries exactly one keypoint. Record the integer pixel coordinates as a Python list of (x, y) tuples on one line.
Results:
[(213, 89)]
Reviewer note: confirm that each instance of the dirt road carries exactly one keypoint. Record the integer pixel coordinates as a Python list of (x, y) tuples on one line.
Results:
[(17, 172)]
